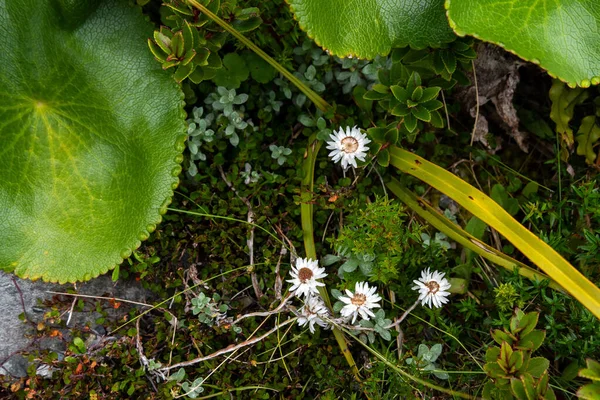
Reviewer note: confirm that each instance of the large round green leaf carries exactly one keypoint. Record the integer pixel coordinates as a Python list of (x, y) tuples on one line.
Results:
[(367, 28), (91, 136), (562, 36)]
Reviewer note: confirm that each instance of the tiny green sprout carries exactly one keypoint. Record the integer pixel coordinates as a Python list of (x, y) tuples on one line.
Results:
[(178, 376), (379, 324), (273, 103), (226, 99), (425, 360), (506, 297), (153, 364), (208, 309), (308, 74), (279, 153), (193, 389), (439, 240), (199, 132), (248, 175), (357, 72)]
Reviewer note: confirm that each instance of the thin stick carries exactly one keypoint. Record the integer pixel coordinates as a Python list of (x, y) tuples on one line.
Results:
[(71, 311), (403, 316), (279, 358), (446, 110), (227, 349), (400, 336), (101, 297), (382, 183), (250, 240), (326, 226), (278, 281), (277, 310), (476, 103), (139, 347), (21, 297), (174, 324)]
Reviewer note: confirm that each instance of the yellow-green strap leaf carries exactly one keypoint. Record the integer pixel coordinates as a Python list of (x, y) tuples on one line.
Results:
[(486, 209), (456, 233)]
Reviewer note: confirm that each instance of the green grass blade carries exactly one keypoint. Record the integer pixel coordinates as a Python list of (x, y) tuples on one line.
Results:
[(314, 97), (413, 378), (486, 209), (459, 235), (306, 216)]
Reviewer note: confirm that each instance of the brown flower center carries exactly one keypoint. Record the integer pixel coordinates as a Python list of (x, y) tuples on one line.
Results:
[(433, 287), (305, 274), (358, 299), (349, 144)]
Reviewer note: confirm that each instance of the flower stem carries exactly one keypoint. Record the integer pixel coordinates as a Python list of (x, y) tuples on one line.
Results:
[(306, 216)]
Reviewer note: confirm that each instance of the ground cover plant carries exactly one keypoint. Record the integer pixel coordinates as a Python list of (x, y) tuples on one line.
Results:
[(395, 210)]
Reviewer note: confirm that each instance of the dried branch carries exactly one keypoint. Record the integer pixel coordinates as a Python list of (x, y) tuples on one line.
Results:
[(403, 316), (250, 240), (339, 323), (227, 349), (277, 310), (116, 299), (278, 280), (21, 297)]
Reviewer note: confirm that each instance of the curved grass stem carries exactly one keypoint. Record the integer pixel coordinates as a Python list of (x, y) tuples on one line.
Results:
[(411, 377), (306, 216), (314, 97)]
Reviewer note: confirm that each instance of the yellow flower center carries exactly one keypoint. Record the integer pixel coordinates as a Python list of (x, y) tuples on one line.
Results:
[(349, 144), (305, 274), (358, 299), (433, 287)]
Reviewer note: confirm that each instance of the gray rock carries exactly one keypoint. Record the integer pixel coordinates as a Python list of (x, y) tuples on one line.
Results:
[(15, 366), (45, 371), (14, 332)]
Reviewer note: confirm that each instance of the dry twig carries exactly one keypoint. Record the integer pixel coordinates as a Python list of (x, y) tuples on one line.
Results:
[(277, 310), (228, 349), (250, 240)]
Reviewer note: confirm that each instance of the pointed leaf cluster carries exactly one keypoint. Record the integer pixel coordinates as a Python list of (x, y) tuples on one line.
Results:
[(412, 101), (409, 88), (446, 60), (193, 56), (415, 102), (511, 368), (591, 390)]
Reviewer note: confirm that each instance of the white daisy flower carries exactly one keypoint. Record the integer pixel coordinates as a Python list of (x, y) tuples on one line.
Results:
[(432, 288), (312, 312), (361, 302), (348, 146), (304, 277)]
